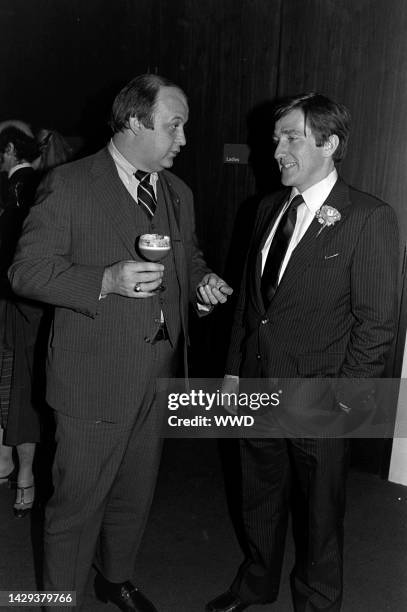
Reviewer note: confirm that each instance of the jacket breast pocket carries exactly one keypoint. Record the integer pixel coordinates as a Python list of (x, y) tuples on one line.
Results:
[(330, 260)]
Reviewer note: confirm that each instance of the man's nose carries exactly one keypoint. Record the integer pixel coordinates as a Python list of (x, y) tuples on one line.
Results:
[(181, 140), (279, 151)]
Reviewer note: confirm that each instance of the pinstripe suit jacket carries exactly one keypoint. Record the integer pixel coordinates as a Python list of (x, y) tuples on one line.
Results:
[(98, 361), (334, 313)]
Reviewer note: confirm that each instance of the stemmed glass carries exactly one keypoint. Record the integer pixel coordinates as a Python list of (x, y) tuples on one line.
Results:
[(154, 247)]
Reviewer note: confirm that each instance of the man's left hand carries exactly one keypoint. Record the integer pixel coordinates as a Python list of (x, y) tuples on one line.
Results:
[(213, 290)]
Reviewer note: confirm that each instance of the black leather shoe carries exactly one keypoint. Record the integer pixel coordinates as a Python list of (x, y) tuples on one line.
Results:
[(227, 602), (123, 594)]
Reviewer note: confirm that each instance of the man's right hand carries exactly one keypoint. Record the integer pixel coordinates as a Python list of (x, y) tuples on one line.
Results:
[(134, 279)]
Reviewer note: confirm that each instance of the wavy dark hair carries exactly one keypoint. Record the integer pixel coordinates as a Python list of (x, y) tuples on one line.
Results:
[(26, 148), (324, 117), (137, 99)]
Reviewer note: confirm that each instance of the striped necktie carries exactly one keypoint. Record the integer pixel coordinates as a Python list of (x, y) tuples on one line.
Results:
[(145, 193), (278, 249)]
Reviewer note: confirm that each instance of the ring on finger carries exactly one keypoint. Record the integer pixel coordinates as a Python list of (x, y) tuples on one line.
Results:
[(137, 287)]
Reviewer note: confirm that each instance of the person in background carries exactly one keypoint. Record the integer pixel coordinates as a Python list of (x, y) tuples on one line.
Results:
[(20, 319), (318, 300), (114, 333), (54, 149), (26, 128)]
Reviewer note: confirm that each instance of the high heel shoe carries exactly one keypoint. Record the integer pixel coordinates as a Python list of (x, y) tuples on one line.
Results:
[(10, 478), (22, 506)]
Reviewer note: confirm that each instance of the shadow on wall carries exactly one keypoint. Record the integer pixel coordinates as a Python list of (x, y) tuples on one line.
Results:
[(260, 130), (214, 331)]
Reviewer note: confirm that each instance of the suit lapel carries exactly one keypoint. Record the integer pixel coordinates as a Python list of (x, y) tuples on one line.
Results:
[(111, 195), (166, 192), (273, 208), (315, 238)]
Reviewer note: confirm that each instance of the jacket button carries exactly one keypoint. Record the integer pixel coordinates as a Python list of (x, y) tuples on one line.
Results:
[(147, 339), (264, 321), (258, 356)]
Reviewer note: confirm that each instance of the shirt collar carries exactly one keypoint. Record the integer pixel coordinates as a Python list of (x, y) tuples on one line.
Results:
[(316, 195), (18, 167), (125, 166)]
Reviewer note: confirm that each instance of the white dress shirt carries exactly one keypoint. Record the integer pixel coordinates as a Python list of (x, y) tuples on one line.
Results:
[(313, 197), (126, 172)]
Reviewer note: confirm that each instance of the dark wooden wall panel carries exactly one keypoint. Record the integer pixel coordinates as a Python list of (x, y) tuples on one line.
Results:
[(61, 60), (224, 55), (356, 52)]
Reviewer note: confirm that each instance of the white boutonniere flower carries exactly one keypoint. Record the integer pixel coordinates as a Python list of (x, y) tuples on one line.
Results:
[(327, 216)]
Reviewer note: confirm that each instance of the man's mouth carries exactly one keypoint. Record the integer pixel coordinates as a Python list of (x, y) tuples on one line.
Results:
[(286, 165)]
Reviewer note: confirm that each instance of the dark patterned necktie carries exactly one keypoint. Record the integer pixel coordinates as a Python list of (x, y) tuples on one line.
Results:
[(145, 193), (278, 249)]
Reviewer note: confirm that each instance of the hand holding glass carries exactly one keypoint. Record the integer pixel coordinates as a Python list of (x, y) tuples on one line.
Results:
[(154, 247)]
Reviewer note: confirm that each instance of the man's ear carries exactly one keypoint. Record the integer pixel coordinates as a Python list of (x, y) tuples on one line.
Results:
[(10, 149), (135, 125), (330, 145)]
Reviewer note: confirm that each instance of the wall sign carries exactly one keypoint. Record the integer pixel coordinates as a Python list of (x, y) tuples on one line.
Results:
[(235, 154)]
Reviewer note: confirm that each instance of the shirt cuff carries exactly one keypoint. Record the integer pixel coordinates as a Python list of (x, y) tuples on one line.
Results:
[(204, 307)]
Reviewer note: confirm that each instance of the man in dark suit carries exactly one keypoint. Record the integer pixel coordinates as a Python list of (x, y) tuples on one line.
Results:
[(318, 299), (113, 332)]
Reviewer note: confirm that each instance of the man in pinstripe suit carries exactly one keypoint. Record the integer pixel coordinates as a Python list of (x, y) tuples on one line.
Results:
[(331, 313), (112, 333)]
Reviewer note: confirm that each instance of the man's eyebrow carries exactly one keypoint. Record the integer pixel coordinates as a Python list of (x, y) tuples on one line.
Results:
[(289, 131)]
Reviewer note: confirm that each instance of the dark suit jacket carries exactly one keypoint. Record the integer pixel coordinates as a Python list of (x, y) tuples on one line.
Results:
[(98, 357), (334, 313)]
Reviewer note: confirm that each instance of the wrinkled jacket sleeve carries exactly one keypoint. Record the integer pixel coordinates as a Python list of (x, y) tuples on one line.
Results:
[(43, 268)]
